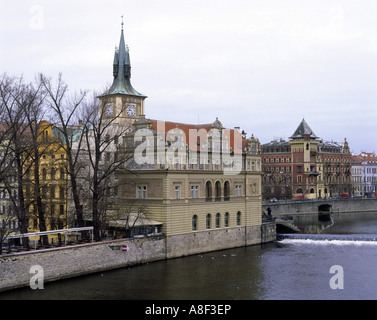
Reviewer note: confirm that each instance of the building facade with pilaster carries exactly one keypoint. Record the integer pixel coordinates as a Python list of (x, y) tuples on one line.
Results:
[(199, 185), (305, 167)]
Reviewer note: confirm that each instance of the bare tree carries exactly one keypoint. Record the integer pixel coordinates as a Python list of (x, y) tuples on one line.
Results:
[(101, 138), (65, 109), (15, 142), (21, 111), (34, 113)]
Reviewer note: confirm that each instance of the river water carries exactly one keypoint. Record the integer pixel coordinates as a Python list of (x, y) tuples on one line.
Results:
[(287, 269)]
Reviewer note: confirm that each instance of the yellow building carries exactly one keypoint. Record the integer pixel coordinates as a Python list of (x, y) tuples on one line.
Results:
[(53, 181), (201, 206)]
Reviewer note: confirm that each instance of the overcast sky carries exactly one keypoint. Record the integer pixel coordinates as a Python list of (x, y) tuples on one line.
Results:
[(262, 65)]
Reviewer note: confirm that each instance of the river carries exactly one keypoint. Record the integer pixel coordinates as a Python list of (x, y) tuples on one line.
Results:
[(287, 269)]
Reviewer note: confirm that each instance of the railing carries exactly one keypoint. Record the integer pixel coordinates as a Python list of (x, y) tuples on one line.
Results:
[(46, 233), (278, 202)]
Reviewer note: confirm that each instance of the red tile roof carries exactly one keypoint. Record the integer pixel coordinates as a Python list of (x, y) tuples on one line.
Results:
[(230, 133)]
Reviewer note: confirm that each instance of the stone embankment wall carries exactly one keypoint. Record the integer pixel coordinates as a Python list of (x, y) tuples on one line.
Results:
[(72, 261), (212, 240)]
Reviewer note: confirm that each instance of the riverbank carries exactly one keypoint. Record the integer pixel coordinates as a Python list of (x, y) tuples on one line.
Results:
[(72, 261), (259, 272)]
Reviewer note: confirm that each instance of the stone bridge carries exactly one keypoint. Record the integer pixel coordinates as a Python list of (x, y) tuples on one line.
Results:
[(292, 207)]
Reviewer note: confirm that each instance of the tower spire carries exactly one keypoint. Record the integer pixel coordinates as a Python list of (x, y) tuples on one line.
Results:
[(122, 69)]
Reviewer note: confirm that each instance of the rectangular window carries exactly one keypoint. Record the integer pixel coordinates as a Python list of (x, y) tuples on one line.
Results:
[(139, 189), (238, 190), (194, 192), (61, 192), (142, 192), (176, 191)]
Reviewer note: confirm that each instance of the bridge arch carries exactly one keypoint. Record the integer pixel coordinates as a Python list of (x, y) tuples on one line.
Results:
[(324, 211), (324, 208)]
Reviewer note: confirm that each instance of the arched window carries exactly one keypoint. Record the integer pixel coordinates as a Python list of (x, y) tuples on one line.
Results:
[(218, 190), (311, 190), (226, 219), (208, 191), (44, 173), (226, 191), (218, 220), (238, 218), (194, 222), (52, 174), (299, 190), (208, 221), (62, 173)]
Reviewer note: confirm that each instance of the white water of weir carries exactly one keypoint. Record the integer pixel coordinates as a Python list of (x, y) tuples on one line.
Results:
[(329, 239)]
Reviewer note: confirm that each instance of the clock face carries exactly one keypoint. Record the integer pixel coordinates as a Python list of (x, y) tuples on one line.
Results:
[(109, 110), (131, 110)]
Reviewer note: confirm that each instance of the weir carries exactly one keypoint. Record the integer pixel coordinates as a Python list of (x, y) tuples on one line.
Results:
[(328, 237)]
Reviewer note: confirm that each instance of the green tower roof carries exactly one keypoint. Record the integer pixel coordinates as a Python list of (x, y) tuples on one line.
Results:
[(122, 71)]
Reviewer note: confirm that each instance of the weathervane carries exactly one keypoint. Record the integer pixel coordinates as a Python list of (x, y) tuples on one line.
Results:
[(122, 21)]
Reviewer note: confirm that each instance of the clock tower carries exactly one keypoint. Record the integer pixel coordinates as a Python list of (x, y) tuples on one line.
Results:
[(121, 100)]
